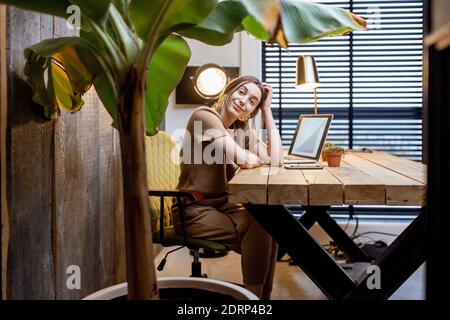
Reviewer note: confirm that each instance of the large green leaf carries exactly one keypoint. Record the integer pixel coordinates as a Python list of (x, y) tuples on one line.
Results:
[(307, 22), (266, 12), (297, 21), (182, 14), (54, 93), (35, 68), (69, 67), (80, 77), (49, 47), (122, 7), (78, 56), (53, 7), (104, 86), (60, 89), (164, 73), (255, 28), (219, 27), (128, 41)]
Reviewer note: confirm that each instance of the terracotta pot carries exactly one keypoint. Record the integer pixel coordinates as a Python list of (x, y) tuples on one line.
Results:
[(334, 159), (324, 156)]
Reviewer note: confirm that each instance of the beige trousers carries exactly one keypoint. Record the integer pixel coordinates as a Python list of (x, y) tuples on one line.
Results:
[(231, 224)]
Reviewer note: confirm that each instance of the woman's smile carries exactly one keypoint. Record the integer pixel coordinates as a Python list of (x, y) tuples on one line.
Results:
[(237, 108)]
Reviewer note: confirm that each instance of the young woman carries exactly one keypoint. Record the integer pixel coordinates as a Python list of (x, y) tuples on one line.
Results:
[(225, 140)]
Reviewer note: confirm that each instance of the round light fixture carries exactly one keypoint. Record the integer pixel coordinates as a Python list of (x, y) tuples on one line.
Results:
[(209, 80)]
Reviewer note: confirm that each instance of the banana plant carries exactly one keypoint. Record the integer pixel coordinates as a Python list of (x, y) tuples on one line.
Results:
[(134, 53)]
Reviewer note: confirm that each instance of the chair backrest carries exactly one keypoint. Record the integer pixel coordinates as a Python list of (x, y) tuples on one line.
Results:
[(162, 173)]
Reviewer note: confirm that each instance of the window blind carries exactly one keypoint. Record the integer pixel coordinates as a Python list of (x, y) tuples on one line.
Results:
[(370, 80)]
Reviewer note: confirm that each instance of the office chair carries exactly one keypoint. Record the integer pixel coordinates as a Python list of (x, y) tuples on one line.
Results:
[(163, 173)]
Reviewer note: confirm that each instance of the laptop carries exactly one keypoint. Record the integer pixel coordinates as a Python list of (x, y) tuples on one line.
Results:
[(307, 142)]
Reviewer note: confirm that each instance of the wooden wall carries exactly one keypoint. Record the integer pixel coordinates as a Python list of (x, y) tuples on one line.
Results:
[(62, 183), (3, 107)]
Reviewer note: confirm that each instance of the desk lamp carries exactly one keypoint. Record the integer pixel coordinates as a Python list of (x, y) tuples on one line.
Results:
[(306, 76)]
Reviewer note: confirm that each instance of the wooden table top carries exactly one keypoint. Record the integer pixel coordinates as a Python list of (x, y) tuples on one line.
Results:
[(374, 178)]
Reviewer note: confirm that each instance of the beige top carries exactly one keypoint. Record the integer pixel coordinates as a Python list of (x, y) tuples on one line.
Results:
[(198, 171)]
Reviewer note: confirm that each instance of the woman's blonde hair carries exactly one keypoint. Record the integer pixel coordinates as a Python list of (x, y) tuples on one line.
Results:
[(233, 85)]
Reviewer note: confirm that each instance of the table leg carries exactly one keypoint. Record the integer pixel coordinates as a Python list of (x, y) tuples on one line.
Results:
[(307, 253), (343, 241), (397, 263), (307, 220)]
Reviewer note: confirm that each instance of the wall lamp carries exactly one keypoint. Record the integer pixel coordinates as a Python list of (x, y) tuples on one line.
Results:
[(203, 84)]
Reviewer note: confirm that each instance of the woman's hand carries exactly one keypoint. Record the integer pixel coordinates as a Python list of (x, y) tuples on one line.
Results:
[(275, 147), (269, 95)]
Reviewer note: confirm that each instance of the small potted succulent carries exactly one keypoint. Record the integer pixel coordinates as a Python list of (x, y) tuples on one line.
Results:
[(326, 145), (333, 154)]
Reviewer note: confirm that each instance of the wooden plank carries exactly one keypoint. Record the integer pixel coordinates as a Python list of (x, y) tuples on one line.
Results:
[(77, 192), (324, 188), (411, 169), (287, 187), (249, 185), (61, 185), (4, 230), (400, 190), (29, 166), (108, 180), (77, 168), (359, 188), (77, 198)]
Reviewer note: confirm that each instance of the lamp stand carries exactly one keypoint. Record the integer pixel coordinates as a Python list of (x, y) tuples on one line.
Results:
[(315, 101)]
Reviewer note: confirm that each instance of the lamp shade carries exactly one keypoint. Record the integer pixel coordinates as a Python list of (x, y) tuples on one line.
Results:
[(306, 76), (209, 80)]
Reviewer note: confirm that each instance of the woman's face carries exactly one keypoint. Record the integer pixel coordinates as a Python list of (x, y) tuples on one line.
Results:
[(244, 100)]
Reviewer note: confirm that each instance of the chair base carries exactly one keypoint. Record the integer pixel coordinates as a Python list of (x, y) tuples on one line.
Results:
[(196, 270), (196, 266), (208, 253)]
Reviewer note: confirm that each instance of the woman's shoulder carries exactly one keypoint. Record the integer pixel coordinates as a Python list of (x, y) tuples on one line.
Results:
[(209, 118), (204, 112)]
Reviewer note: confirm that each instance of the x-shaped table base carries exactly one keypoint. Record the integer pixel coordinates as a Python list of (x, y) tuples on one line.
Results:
[(396, 264)]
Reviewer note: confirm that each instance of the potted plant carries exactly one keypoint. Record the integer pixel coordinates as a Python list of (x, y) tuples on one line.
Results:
[(325, 147), (333, 154), (182, 288), (134, 53)]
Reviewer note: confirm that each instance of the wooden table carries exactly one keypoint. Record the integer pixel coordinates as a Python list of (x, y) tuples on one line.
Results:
[(364, 178)]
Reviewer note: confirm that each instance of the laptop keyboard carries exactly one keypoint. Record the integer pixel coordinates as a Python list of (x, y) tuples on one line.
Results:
[(293, 161)]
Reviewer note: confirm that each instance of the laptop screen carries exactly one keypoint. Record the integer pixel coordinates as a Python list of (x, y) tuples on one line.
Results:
[(310, 135)]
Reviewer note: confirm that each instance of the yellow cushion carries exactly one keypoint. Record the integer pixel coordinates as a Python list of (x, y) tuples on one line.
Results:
[(162, 172)]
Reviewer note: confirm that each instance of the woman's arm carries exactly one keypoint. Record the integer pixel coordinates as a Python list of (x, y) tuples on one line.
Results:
[(223, 145), (243, 158), (272, 152)]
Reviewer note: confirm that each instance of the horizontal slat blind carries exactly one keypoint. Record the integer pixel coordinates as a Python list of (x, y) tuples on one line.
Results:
[(371, 80)]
